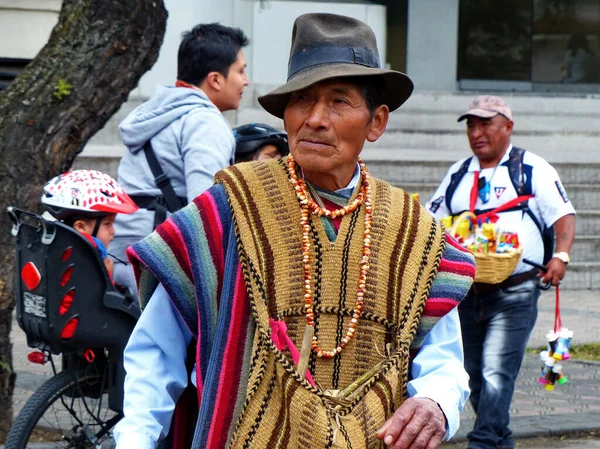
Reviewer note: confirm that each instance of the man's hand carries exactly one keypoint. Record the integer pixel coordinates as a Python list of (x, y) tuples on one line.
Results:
[(556, 271), (419, 423)]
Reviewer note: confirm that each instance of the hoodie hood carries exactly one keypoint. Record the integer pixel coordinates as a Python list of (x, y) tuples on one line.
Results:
[(160, 111)]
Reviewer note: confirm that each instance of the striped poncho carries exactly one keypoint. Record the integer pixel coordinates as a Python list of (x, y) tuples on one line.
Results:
[(195, 255)]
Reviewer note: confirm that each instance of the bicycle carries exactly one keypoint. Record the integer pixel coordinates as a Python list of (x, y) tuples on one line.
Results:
[(68, 306)]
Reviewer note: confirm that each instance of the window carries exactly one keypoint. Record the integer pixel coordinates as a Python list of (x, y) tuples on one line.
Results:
[(10, 69), (536, 44)]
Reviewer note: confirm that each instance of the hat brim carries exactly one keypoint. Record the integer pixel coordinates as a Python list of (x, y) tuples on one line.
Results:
[(397, 86), (483, 113)]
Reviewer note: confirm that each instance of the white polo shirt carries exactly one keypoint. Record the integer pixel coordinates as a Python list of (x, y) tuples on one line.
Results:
[(549, 204)]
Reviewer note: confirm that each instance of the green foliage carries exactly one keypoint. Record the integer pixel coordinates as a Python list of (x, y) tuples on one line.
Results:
[(589, 351), (5, 366), (62, 89)]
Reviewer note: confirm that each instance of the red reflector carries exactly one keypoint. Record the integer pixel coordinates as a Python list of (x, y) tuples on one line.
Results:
[(66, 276), (69, 330), (31, 276), (89, 355), (37, 357), (66, 254), (66, 301)]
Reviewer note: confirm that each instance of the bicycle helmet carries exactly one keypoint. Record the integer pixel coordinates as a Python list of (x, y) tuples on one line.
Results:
[(85, 193), (250, 138)]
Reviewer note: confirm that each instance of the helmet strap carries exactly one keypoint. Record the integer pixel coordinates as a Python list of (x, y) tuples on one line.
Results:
[(97, 226)]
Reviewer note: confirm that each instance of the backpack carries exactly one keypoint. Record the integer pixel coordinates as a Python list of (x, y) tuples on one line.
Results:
[(169, 201), (520, 176)]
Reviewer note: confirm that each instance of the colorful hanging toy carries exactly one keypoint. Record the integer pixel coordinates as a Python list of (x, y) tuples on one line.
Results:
[(559, 345)]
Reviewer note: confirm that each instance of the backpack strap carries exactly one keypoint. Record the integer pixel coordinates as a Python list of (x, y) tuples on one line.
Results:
[(163, 182), (509, 205), (522, 186), (455, 181), (515, 171)]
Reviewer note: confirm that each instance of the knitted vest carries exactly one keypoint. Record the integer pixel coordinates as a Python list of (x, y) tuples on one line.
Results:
[(281, 409)]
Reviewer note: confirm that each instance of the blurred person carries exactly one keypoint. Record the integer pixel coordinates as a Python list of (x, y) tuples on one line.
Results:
[(258, 142), (178, 139), (581, 63), (497, 319)]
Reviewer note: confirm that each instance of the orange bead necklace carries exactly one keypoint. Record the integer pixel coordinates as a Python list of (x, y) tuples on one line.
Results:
[(307, 206)]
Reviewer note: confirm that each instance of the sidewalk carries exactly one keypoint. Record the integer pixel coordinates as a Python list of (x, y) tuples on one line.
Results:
[(535, 411), (570, 407)]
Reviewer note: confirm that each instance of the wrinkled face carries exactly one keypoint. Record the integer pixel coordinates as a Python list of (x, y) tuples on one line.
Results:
[(489, 137), (106, 231), (233, 86), (267, 152), (327, 125)]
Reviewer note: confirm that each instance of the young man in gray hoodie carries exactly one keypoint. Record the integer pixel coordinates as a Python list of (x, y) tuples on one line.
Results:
[(186, 129)]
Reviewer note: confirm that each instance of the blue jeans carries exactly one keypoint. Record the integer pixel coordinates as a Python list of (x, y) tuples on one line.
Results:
[(495, 330)]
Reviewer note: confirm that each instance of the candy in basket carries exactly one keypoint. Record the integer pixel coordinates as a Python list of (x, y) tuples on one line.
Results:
[(496, 252)]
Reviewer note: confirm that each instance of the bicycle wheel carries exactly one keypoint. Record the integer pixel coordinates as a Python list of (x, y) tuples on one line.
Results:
[(69, 410)]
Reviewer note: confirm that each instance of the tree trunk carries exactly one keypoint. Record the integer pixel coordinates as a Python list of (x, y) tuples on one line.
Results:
[(95, 56)]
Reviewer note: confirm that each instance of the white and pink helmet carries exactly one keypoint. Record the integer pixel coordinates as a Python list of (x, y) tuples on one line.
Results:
[(85, 193)]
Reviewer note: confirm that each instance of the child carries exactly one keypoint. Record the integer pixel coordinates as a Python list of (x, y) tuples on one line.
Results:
[(88, 201), (256, 142)]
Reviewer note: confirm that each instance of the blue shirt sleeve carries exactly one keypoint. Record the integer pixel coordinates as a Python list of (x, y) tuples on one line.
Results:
[(154, 361), (438, 372)]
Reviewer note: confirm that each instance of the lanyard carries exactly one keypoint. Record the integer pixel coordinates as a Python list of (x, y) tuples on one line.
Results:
[(474, 191)]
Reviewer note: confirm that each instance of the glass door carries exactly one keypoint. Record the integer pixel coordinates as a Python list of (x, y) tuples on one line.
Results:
[(529, 45)]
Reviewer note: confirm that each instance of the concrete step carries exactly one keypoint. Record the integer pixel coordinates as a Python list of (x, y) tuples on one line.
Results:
[(582, 276), (521, 104), (588, 223), (419, 120), (554, 147), (108, 165), (583, 196), (420, 165), (423, 176), (586, 248), (109, 135)]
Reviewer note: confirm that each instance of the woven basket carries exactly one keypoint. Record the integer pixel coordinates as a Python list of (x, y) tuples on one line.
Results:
[(492, 268)]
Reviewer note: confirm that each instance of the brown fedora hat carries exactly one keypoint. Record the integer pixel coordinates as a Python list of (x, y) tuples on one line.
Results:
[(326, 46)]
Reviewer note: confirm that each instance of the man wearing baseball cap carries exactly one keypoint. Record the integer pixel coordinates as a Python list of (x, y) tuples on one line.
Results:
[(524, 193)]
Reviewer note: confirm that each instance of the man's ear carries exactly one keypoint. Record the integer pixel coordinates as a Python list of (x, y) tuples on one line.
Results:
[(509, 126), (214, 80), (378, 123)]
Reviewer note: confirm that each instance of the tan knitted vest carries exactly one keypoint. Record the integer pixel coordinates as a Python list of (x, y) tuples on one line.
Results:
[(281, 409)]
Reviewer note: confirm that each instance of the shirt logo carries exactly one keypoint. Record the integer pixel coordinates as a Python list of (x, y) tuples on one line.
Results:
[(499, 191), (561, 191), (435, 205)]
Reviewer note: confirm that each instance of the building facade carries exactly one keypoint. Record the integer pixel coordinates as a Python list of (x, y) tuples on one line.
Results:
[(540, 55), (537, 46)]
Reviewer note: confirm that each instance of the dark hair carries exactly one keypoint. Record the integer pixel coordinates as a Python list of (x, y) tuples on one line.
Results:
[(372, 88), (208, 48), (71, 219)]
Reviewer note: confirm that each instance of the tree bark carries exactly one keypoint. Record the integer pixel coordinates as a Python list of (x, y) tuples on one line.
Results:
[(95, 56)]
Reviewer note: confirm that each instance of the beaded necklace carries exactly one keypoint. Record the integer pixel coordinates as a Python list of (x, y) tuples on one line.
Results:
[(307, 206)]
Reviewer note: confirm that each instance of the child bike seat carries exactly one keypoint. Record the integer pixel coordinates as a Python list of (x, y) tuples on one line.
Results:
[(65, 298)]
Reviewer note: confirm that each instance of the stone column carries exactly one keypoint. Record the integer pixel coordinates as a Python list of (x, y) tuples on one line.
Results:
[(432, 44)]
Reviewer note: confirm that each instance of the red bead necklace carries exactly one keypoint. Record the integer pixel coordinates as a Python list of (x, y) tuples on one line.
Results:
[(307, 206)]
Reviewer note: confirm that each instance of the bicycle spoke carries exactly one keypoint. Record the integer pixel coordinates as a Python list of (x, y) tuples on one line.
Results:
[(69, 412)]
